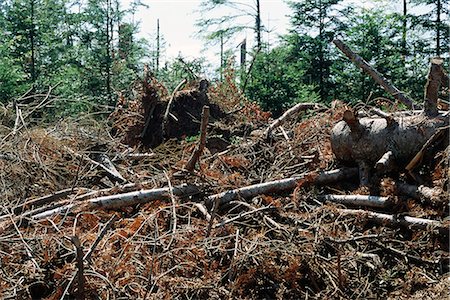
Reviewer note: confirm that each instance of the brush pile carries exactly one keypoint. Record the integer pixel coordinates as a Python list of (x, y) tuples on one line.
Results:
[(109, 210)]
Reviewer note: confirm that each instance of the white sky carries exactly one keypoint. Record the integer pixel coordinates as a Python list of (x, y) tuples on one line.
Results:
[(177, 19)]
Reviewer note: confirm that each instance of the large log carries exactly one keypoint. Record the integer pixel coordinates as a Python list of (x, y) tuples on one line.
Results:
[(390, 140), (369, 139)]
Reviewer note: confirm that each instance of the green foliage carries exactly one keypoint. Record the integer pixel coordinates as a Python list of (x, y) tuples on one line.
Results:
[(315, 24), (181, 68), (277, 80)]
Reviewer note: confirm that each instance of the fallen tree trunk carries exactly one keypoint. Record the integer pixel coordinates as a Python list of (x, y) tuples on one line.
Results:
[(379, 78), (389, 139), (138, 197), (369, 139), (281, 185), (398, 220)]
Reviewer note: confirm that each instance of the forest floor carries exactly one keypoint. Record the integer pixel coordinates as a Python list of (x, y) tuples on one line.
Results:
[(279, 245)]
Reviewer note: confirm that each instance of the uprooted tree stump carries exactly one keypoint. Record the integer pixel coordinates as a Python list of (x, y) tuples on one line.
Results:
[(178, 117), (387, 141)]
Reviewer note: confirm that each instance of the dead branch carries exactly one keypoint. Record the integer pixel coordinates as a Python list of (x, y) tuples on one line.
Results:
[(45, 199), (386, 162), (103, 162), (282, 185), (169, 104), (94, 245), (404, 255), (423, 193), (125, 199), (293, 110), (417, 159), (190, 165), (397, 220), (240, 216), (379, 78), (359, 200), (80, 266), (106, 164)]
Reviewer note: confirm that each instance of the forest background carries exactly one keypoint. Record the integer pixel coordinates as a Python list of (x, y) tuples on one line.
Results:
[(90, 51)]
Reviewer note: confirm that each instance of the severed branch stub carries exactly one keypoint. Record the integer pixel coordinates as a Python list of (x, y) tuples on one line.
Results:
[(190, 165), (379, 78), (436, 78)]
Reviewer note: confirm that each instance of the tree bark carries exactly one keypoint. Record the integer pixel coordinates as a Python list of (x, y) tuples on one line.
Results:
[(368, 139), (436, 77)]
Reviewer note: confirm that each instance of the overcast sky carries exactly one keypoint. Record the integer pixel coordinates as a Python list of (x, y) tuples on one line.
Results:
[(177, 19)]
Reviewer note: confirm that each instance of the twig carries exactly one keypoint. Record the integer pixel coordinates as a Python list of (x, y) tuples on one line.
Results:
[(80, 265), (166, 114), (94, 245), (412, 258), (190, 165), (44, 199), (104, 163), (203, 210), (27, 247), (174, 213), (69, 284), (241, 215)]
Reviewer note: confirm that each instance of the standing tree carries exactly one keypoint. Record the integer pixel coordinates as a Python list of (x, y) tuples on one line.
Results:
[(314, 25), (436, 20), (221, 29)]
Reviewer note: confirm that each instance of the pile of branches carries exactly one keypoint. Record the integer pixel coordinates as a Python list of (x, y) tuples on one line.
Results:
[(273, 215)]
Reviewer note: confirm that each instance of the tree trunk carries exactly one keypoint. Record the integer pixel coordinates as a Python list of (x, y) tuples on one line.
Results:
[(157, 46), (369, 139), (258, 24), (32, 43), (438, 28), (108, 50), (404, 52)]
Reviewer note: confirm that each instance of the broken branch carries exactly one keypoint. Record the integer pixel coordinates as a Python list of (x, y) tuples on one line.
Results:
[(379, 78), (190, 165)]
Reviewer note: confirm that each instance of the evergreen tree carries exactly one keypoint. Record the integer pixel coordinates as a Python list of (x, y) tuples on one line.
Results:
[(314, 25), (277, 80), (437, 21)]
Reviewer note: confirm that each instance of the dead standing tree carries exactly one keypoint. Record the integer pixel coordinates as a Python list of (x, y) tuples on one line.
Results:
[(388, 140)]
